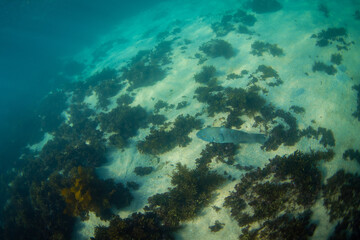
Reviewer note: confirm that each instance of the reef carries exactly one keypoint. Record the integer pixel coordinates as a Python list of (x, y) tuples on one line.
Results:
[(137, 226), (258, 48), (217, 48), (86, 192), (295, 185), (163, 140), (342, 200), (192, 190), (264, 6), (356, 114), (322, 67)]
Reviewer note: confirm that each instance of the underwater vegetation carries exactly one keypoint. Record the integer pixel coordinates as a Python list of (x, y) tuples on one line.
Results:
[(206, 76), (217, 226), (336, 58), (124, 122), (258, 48), (192, 190), (105, 90), (295, 185), (264, 6), (217, 48), (145, 69), (351, 154), (324, 9), (342, 200), (333, 35), (231, 22), (137, 226), (356, 114), (142, 171), (162, 140), (322, 67), (86, 192)]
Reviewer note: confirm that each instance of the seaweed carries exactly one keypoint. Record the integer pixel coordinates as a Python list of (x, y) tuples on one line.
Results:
[(356, 114), (142, 171), (258, 48), (145, 68), (156, 119), (160, 104), (351, 154), (324, 9), (221, 152), (264, 6), (206, 76), (162, 140), (244, 18), (322, 67), (86, 192), (123, 120), (106, 89), (331, 35), (327, 137), (192, 191), (217, 226), (221, 29), (137, 226), (336, 58), (342, 201), (181, 105), (217, 48), (297, 109), (295, 184), (50, 109)]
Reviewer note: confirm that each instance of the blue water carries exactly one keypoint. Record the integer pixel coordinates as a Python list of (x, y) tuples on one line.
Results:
[(101, 103)]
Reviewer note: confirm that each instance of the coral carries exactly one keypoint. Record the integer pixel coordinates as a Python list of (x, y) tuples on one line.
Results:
[(142, 171), (322, 67), (264, 6), (258, 48), (87, 192), (193, 190), (206, 76), (138, 226), (162, 140), (217, 48)]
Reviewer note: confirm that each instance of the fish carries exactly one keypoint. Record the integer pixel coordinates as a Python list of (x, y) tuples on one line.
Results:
[(227, 135)]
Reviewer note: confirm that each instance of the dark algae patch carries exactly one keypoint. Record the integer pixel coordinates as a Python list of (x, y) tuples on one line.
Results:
[(192, 190), (162, 140), (217, 226), (342, 200), (322, 67), (258, 48), (136, 226), (264, 6), (217, 48), (356, 114), (294, 187), (333, 35)]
